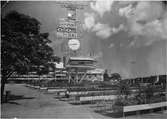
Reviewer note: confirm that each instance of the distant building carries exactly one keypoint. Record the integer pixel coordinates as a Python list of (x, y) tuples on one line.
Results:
[(95, 74), (155, 80), (59, 65)]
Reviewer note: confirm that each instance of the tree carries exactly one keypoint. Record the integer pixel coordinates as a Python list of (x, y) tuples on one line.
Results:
[(23, 47), (115, 76)]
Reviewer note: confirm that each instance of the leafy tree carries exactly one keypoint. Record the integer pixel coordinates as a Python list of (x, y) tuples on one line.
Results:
[(115, 76), (23, 47)]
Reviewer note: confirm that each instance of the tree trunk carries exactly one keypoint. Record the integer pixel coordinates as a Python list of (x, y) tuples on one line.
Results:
[(3, 82)]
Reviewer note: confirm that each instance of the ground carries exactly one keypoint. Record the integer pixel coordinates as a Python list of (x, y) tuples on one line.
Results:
[(32, 103)]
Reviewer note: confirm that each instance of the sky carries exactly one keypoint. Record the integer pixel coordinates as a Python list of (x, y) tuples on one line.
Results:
[(129, 38)]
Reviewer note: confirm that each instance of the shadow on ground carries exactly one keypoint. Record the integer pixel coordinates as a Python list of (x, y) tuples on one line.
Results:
[(13, 103), (110, 114), (12, 97)]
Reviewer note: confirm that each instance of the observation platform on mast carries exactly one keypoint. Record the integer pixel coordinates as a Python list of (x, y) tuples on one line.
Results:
[(77, 67)]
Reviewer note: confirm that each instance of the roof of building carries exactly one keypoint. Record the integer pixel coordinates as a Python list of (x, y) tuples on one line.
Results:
[(96, 71), (59, 65)]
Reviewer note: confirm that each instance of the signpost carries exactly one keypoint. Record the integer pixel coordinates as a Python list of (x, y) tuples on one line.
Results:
[(68, 29)]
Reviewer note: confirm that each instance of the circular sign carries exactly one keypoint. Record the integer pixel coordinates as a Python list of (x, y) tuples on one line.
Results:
[(74, 44)]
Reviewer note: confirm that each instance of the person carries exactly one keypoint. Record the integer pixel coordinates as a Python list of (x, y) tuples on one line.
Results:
[(67, 94), (105, 76)]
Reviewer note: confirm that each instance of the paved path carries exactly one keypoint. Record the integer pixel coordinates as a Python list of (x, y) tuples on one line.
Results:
[(43, 106), (39, 105)]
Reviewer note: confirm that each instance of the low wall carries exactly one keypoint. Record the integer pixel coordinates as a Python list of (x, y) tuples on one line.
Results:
[(144, 107), (43, 88), (120, 111), (60, 92), (31, 86), (57, 90), (73, 93), (92, 98)]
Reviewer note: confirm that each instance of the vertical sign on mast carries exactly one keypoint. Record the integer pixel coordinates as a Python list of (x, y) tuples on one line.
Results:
[(67, 29)]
